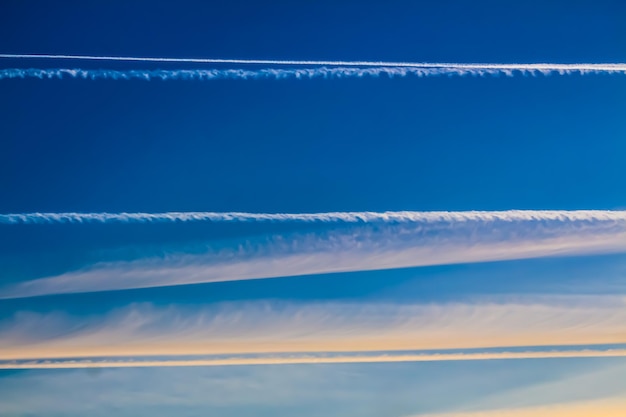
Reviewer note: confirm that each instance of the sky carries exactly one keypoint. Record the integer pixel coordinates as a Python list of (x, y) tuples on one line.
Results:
[(395, 232)]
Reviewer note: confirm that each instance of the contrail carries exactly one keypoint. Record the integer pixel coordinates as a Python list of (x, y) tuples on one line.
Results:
[(291, 360), (310, 73), (610, 67), (311, 69), (345, 217)]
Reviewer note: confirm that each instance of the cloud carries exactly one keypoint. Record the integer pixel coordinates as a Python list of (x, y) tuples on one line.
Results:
[(385, 357), (561, 68), (142, 330), (559, 216), (303, 73), (341, 242), (387, 389)]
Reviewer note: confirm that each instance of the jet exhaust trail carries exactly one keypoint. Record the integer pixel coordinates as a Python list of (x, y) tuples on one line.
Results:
[(345, 217), (302, 360), (296, 73), (619, 67)]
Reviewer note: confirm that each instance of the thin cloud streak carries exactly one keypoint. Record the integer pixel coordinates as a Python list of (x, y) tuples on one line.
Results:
[(305, 73), (302, 360), (285, 329), (512, 66), (347, 217), (345, 242)]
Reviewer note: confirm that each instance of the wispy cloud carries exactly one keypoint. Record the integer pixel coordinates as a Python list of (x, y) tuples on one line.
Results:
[(349, 390), (308, 73), (344, 242), (281, 328)]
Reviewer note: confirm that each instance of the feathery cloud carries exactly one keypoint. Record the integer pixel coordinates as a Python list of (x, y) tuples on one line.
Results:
[(143, 330), (343, 242)]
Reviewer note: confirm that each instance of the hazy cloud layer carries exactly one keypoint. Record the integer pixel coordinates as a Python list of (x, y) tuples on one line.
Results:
[(343, 242), (263, 327), (610, 407), (372, 390)]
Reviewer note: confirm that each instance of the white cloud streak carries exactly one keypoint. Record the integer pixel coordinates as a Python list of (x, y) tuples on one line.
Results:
[(306, 73), (347, 242), (621, 67), (297, 330), (347, 217), (302, 360)]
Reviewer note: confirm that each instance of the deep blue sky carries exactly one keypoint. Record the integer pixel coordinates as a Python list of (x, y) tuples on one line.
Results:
[(316, 145)]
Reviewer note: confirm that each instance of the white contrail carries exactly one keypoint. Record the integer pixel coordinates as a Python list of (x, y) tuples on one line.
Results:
[(346, 217), (311, 69), (603, 67), (309, 73), (300, 360)]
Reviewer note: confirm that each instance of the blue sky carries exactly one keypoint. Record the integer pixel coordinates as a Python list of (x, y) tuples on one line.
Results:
[(492, 284)]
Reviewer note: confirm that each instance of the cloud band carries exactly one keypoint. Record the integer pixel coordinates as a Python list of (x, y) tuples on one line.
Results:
[(345, 242)]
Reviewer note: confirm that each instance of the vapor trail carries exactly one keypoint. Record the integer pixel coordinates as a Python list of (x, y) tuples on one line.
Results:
[(330, 217), (620, 67), (291, 360), (309, 73)]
